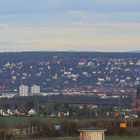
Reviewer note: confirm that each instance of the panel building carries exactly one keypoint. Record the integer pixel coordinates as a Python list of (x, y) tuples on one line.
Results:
[(35, 89), (23, 90)]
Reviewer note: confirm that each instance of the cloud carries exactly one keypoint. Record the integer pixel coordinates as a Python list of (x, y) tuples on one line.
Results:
[(78, 13), (77, 31), (73, 24), (77, 45), (58, 6)]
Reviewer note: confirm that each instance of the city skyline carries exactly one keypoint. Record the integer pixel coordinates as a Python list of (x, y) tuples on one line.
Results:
[(61, 25)]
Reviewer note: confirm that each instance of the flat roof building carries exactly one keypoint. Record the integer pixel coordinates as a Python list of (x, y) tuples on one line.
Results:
[(23, 90), (92, 133), (35, 89)]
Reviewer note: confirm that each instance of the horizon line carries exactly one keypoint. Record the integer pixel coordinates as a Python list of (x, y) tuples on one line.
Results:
[(70, 51)]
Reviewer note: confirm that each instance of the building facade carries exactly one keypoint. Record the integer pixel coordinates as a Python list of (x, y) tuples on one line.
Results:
[(35, 89), (92, 134), (23, 90)]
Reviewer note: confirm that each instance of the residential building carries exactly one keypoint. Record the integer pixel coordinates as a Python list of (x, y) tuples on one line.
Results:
[(23, 90)]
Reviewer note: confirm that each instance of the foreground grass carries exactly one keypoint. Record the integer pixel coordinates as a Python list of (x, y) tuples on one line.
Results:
[(25, 120), (122, 138), (107, 138)]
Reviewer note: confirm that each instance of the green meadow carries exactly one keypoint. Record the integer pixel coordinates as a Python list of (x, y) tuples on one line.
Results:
[(107, 138), (24, 120), (122, 138)]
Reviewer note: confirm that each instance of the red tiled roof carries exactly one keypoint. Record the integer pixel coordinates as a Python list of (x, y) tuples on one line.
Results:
[(136, 102)]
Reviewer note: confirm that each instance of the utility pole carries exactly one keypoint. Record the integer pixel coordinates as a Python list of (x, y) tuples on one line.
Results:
[(120, 107), (36, 114)]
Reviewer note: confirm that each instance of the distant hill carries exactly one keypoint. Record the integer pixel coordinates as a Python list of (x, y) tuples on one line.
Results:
[(17, 56), (55, 70)]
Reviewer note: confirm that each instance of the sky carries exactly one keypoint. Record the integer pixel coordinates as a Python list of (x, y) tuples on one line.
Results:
[(69, 25)]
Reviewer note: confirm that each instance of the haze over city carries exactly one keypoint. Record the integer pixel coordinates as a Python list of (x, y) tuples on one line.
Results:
[(61, 25)]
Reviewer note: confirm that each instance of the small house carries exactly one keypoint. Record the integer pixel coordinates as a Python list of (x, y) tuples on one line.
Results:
[(92, 133)]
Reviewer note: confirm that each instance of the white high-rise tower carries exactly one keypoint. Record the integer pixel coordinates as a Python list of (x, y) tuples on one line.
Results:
[(23, 90), (35, 89)]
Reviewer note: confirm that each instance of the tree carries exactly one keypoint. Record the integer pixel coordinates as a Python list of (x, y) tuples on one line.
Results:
[(49, 108), (15, 106), (7, 106)]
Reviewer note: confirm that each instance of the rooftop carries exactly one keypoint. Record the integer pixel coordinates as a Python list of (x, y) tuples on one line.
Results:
[(93, 129)]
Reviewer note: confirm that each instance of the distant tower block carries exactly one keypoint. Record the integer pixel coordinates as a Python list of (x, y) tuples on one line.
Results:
[(35, 89), (23, 90), (138, 92), (92, 134)]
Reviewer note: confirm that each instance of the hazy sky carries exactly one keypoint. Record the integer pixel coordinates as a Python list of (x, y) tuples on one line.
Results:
[(61, 25)]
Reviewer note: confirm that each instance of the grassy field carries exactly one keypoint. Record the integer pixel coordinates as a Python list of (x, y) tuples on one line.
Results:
[(122, 138), (13, 120), (107, 138), (24, 120)]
